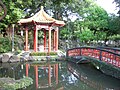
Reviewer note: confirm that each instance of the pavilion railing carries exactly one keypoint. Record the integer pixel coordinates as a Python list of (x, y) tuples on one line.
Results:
[(104, 55)]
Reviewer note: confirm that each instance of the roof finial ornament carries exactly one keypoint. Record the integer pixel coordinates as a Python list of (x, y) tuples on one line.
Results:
[(42, 7)]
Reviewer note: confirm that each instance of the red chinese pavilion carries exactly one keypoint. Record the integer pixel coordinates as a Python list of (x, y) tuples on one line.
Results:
[(42, 20)]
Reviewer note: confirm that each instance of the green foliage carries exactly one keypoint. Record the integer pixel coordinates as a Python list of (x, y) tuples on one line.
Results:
[(38, 54), (5, 44), (42, 53), (40, 35), (12, 84), (86, 35), (114, 24), (88, 14), (17, 52), (18, 43), (100, 36), (114, 37), (64, 33), (96, 17), (15, 11), (3, 10)]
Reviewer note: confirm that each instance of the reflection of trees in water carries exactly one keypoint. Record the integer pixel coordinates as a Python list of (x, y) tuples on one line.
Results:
[(70, 76), (93, 78), (69, 81), (3, 10), (11, 70)]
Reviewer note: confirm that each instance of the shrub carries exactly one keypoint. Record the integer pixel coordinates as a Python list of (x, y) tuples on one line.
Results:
[(5, 44), (42, 53), (12, 84)]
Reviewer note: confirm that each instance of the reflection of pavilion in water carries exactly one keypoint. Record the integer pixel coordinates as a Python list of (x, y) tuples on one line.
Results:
[(90, 79), (71, 76), (47, 78)]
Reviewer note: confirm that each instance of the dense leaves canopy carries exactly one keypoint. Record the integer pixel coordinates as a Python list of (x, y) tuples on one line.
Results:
[(85, 20)]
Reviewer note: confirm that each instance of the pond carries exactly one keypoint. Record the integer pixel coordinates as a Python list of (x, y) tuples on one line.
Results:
[(60, 75)]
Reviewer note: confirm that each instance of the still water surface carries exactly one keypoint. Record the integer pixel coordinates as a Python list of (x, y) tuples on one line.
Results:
[(60, 75)]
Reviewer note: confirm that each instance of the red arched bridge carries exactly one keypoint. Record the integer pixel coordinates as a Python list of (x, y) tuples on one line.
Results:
[(105, 59)]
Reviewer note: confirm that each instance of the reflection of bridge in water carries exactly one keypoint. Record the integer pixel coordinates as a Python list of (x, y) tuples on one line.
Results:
[(59, 76), (87, 75), (105, 59)]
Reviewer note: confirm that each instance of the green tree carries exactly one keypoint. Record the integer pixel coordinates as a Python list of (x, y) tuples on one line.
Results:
[(86, 35), (114, 25), (117, 5), (88, 15), (96, 18), (15, 10)]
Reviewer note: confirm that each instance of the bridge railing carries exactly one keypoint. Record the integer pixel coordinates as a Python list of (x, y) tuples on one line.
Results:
[(100, 54), (115, 50)]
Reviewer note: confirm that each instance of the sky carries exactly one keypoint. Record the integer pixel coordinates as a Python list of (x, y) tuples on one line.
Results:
[(108, 5)]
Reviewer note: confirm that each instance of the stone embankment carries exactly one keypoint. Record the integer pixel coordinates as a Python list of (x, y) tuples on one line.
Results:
[(5, 57), (25, 56), (11, 57)]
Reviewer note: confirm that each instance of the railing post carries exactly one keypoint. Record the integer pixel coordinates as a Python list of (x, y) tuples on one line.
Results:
[(100, 57), (67, 53), (80, 51)]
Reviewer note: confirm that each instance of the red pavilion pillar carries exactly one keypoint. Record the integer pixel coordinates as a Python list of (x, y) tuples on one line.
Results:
[(44, 39), (49, 75), (26, 39), (49, 41), (56, 44), (36, 76), (27, 65), (35, 38), (56, 72)]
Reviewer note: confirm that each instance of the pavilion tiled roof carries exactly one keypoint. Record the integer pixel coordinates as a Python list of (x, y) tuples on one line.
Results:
[(42, 17)]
